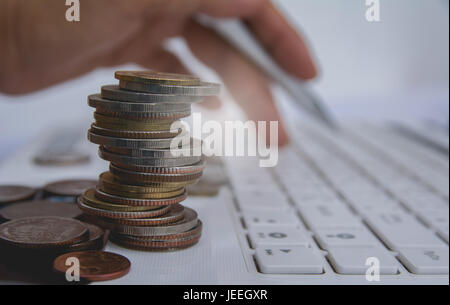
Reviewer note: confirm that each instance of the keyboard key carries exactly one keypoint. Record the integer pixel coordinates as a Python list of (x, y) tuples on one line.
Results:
[(401, 230), (276, 236), (329, 216), (425, 260), (353, 260), (329, 238), (443, 232), (435, 219), (262, 200), (288, 260), (264, 218)]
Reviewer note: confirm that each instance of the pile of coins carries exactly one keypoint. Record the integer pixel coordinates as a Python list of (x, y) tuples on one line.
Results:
[(138, 199)]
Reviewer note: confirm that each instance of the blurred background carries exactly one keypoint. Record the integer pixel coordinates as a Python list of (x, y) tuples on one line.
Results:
[(397, 68)]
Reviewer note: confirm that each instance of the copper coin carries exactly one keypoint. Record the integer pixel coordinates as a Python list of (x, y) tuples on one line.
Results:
[(40, 208), (12, 193), (95, 240), (69, 187), (95, 265), (42, 232)]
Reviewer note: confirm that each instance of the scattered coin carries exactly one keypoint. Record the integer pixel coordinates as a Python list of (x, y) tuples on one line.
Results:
[(40, 208), (69, 187), (42, 232), (95, 265), (95, 240), (12, 193)]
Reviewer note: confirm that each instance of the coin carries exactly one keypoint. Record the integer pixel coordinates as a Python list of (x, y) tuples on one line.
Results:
[(113, 92), (90, 199), (197, 167), (189, 222), (94, 241), (147, 162), (129, 143), (42, 232), (153, 116), (148, 195), (134, 134), (202, 89), (107, 181), (95, 265), (68, 158), (156, 245), (143, 124), (195, 231), (155, 77), (139, 202), (163, 152), (40, 208), (12, 193), (69, 187), (115, 214), (175, 214), (153, 177), (96, 101)]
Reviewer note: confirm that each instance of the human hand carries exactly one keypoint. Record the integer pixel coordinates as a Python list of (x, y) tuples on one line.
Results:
[(39, 48)]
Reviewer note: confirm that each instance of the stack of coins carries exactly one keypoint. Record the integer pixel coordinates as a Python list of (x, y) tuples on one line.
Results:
[(138, 198)]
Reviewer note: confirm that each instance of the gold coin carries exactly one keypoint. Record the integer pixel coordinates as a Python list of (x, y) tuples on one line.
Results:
[(107, 181), (90, 199), (157, 78), (152, 195)]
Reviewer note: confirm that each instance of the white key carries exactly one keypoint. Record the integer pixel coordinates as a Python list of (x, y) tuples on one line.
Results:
[(276, 236), (425, 260), (262, 200), (329, 238), (418, 201), (288, 260), (264, 218), (329, 216), (400, 230), (353, 260), (435, 219), (443, 232)]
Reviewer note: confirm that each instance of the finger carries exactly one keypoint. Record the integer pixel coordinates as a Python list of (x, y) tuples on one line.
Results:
[(211, 102), (247, 84), (272, 29)]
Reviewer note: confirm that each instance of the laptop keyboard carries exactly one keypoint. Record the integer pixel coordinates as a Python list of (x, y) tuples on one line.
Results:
[(352, 196)]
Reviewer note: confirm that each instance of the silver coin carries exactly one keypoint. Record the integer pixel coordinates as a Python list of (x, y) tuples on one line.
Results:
[(124, 174), (164, 152), (189, 222), (95, 101), (147, 162), (158, 170), (113, 92), (204, 89), (134, 134), (133, 144)]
